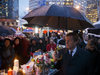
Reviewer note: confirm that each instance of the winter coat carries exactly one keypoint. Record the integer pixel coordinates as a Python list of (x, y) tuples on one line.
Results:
[(82, 44), (8, 55), (19, 51), (32, 48), (49, 46), (95, 57), (42, 45), (25, 44)]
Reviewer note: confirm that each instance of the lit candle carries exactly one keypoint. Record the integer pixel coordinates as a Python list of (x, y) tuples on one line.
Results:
[(16, 63), (15, 67), (10, 72), (23, 72)]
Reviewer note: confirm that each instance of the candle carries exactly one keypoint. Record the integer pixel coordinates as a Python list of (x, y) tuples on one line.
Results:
[(23, 72), (16, 63), (15, 67), (10, 72)]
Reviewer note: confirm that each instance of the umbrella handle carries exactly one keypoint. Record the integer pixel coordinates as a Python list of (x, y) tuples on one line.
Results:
[(60, 57)]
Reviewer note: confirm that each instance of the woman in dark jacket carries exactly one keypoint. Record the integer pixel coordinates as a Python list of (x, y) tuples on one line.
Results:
[(42, 45), (91, 47), (47, 41), (18, 49), (34, 46), (8, 54)]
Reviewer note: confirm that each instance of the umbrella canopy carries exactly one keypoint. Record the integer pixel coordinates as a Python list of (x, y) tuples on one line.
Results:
[(31, 25), (57, 16), (27, 30), (4, 31), (95, 30)]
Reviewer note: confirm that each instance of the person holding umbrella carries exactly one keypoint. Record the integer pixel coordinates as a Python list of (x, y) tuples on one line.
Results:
[(75, 60)]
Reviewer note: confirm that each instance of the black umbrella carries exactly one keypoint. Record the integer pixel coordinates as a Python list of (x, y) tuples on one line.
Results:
[(4, 31), (95, 30), (63, 17), (31, 25)]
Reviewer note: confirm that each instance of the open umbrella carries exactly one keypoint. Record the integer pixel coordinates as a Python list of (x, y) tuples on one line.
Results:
[(57, 16), (4, 31), (27, 30), (95, 30)]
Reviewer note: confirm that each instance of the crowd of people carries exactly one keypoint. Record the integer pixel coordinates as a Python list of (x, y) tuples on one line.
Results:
[(85, 50), (17, 47)]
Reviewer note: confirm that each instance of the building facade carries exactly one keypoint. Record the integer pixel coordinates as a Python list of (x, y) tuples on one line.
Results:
[(37, 3), (92, 10), (82, 5), (9, 12), (9, 9)]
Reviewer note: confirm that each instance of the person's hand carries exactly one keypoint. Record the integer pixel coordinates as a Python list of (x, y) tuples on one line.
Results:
[(55, 56)]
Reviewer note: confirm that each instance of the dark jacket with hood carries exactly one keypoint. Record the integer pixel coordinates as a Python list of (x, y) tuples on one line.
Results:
[(33, 48), (42, 45)]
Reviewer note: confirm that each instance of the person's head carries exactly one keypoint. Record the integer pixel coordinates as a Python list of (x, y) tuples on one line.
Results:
[(51, 40), (71, 40), (64, 37), (7, 42), (92, 44), (85, 37), (54, 34), (41, 41), (34, 41), (17, 40), (61, 34), (46, 38)]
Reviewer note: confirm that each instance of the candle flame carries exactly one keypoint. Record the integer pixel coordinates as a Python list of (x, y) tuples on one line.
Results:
[(9, 69), (15, 60), (23, 71)]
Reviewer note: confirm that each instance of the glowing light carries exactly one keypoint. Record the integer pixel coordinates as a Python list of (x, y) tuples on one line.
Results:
[(36, 30), (77, 7), (27, 9)]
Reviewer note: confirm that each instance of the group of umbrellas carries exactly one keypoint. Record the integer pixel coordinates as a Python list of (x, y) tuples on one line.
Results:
[(56, 16)]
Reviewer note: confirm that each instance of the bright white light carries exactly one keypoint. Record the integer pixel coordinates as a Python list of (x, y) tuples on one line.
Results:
[(77, 7), (27, 9), (36, 30)]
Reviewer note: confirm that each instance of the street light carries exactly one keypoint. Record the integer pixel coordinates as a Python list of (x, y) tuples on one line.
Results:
[(77, 7), (27, 9)]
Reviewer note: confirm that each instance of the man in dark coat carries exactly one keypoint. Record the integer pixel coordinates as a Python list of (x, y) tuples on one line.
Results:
[(83, 43), (75, 61)]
